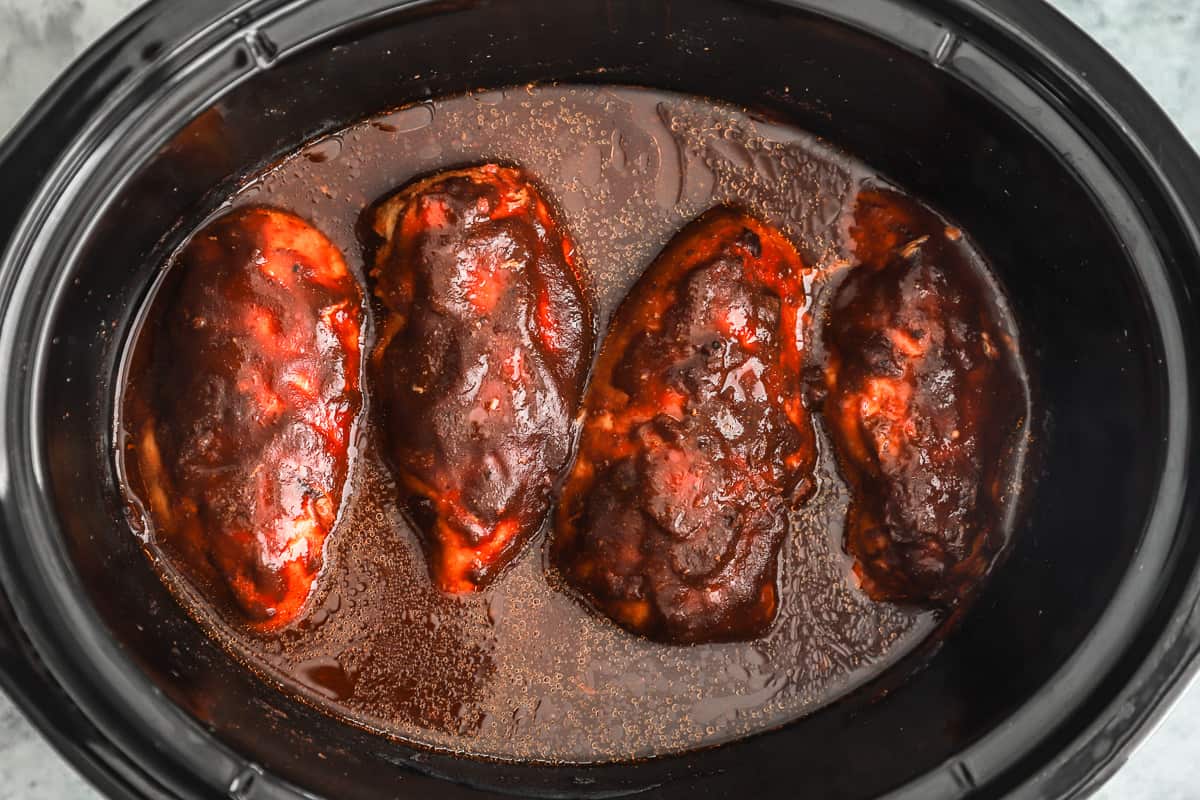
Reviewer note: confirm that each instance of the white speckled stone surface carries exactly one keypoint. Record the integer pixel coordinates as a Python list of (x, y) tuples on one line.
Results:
[(1157, 40)]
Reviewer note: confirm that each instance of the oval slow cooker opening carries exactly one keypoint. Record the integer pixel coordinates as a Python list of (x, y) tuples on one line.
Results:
[(1055, 209)]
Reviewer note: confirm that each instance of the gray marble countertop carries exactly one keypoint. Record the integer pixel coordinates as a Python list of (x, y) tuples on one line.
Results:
[(1157, 40)]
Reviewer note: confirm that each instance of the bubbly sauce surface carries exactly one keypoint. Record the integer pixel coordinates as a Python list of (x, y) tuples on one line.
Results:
[(522, 670)]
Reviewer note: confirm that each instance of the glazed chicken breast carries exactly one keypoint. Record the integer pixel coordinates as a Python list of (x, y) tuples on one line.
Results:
[(245, 411), (924, 401), (484, 341), (695, 442)]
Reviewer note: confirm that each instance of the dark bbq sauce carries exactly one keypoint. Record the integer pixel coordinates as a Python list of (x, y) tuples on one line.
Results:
[(523, 669)]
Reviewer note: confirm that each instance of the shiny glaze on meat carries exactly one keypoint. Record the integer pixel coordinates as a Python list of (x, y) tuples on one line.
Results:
[(248, 400), (695, 442), (924, 399), (484, 340)]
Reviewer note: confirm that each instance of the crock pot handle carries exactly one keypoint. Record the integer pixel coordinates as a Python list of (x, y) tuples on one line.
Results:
[(36, 142), (27, 155), (48, 707), (22, 175), (10, 639)]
